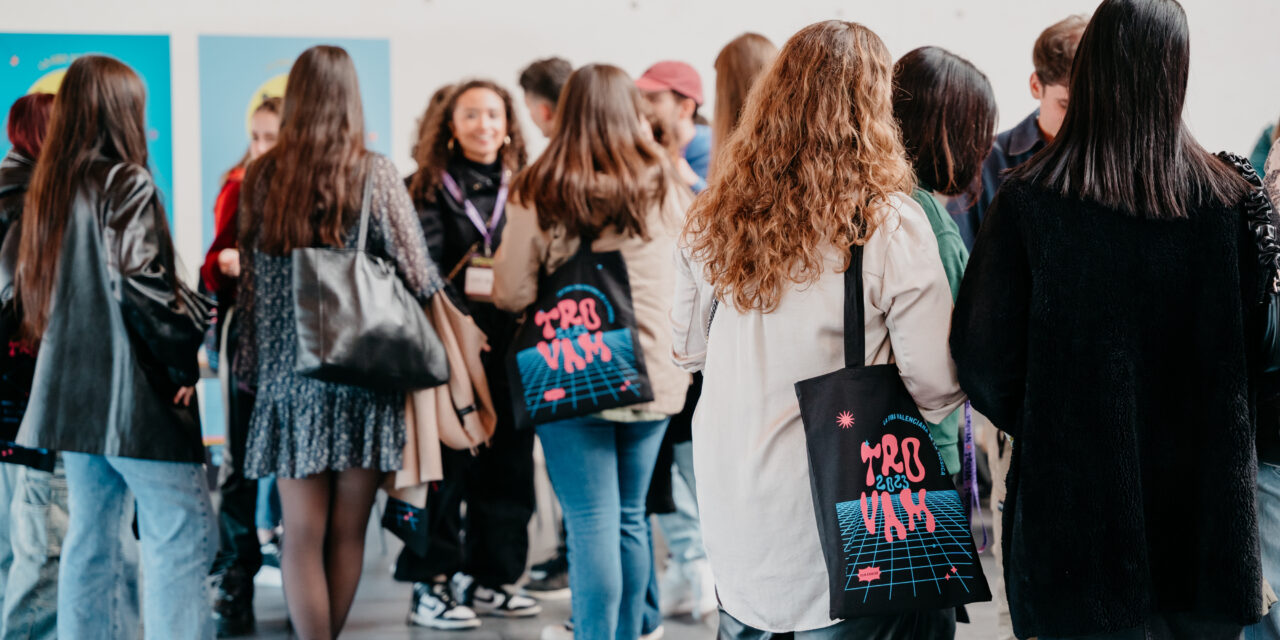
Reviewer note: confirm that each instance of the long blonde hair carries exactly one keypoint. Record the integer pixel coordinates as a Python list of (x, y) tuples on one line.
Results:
[(815, 158), (739, 64)]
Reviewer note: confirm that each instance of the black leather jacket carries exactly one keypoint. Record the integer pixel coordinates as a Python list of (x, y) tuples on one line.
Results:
[(15, 173), (123, 334)]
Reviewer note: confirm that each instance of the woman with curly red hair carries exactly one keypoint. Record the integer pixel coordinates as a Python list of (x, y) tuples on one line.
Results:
[(815, 166)]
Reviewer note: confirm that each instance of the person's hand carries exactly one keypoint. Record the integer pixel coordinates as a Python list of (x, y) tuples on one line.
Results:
[(186, 393), (229, 263), (687, 174)]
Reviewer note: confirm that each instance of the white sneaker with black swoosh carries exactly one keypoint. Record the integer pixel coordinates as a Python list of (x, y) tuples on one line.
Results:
[(433, 607)]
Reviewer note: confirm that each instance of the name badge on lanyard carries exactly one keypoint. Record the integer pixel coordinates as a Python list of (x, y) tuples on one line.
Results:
[(478, 281)]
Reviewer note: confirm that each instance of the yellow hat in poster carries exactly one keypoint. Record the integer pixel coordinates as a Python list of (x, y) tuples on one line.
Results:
[(49, 82), (272, 88)]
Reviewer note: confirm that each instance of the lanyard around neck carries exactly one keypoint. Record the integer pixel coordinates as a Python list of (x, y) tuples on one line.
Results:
[(499, 207)]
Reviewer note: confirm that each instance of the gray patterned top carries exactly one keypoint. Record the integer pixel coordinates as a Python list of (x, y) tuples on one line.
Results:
[(302, 426)]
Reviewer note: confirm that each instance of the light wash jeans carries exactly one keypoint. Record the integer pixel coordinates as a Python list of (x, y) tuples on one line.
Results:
[(681, 529), (1269, 534), (37, 524), (8, 487), (601, 472), (179, 539)]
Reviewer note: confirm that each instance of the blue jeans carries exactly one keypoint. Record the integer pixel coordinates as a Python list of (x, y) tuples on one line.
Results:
[(179, 539), (601, 472), (681, 529), (267, 515), (1269, 534), (8, 487), (935, 624), (37, 524)]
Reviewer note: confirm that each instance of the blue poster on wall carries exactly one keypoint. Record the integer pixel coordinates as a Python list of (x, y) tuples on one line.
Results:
[(236, 74), (36, 62)]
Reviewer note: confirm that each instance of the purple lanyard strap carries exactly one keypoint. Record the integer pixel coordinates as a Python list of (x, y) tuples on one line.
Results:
[(969, 476), (499, 207)]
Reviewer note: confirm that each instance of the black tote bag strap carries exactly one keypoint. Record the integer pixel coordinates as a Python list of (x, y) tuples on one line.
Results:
[(365, 205), (855, 343)]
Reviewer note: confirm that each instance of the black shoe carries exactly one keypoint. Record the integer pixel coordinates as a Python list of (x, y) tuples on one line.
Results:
[(550, 580), (233, 608)]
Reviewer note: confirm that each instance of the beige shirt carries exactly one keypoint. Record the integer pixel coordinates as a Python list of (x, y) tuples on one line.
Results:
[(526, 249), (749, 454)]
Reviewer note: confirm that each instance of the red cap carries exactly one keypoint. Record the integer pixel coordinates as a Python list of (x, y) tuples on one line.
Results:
[(672, 75)]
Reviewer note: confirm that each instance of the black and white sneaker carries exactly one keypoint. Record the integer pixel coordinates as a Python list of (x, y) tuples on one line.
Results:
[(434, 607), (502, 602)]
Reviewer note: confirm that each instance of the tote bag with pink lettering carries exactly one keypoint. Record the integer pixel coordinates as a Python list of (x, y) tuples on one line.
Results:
[(578, 351), (893, 529)]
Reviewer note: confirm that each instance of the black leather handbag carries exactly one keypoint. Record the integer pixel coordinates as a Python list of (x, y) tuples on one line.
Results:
[(1261, 218), (357, 323), (892, 526)]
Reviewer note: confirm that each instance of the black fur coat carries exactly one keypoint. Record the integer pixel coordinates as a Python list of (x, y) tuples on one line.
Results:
[(1112, 349)]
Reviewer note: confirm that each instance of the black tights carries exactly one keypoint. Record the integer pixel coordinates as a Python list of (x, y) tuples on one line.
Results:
[(325, 517)]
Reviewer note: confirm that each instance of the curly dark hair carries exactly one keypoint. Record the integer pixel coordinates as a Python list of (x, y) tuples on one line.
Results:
[(432, 153)]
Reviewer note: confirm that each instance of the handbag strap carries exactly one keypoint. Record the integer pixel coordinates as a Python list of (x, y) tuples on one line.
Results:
[(364, 206), (855, 342)]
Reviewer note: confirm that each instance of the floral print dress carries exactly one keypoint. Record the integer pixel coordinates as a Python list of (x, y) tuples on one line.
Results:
[(302, 426)]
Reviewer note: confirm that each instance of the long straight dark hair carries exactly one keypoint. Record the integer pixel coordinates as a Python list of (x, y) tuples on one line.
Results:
[(1123, 143), (600, 169), (313, 175), (99, 112)]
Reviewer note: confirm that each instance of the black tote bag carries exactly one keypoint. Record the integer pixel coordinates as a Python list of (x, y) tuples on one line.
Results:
[(892, 526), (357, 323), (578, 351)]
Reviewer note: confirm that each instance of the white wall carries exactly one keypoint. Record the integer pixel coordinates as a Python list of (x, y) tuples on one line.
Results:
[(1234, 48)]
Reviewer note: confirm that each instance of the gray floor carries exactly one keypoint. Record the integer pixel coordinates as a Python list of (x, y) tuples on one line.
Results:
[(382, 604)]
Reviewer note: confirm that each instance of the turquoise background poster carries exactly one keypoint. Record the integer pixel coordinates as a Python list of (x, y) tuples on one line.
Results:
[(37, 61)]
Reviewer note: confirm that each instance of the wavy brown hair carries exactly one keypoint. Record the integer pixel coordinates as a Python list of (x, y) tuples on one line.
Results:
[(600, 169), (99, 111), (815, 159), (432, 153), (314, 174), (739, 64), (947, 113), (434, 105)]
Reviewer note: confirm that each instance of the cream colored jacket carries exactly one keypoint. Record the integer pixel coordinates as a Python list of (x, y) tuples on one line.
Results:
[(754, 500), (526, 250)]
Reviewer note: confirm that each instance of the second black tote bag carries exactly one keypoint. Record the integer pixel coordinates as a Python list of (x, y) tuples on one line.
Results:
[(893, 528), (578, 351)]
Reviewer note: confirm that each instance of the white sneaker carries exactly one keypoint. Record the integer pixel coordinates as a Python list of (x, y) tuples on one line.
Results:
[(656, 634), (433, 607), (702, 587), (502, 602), (675, 591), (556, 632)]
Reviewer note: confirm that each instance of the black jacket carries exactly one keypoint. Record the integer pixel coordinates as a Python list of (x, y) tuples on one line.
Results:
[(1113, 349), (451, 235), (122, 337), (15, 173)]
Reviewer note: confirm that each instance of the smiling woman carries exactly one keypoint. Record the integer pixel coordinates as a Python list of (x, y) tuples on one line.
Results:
[(468, 152)]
